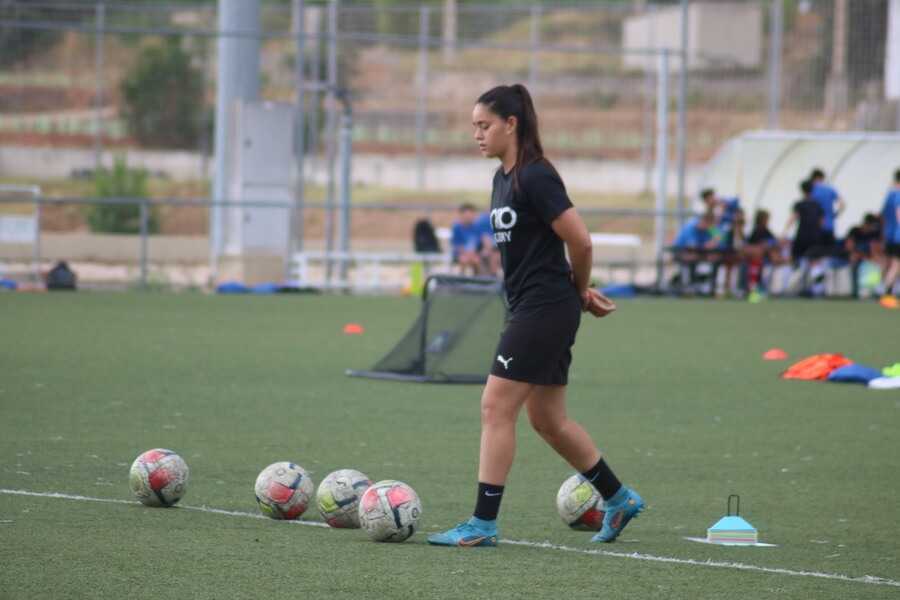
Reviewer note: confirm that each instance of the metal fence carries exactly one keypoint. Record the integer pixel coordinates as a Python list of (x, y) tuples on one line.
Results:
[(103, 76), (147, 259)]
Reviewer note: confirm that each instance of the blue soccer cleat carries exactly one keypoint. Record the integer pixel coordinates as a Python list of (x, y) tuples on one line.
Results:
[(474, 533), (621, 508)]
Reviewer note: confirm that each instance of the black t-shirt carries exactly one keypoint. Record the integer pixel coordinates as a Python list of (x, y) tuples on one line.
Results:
[(534, 261), (809, 226), (862, 237), (759, 235)]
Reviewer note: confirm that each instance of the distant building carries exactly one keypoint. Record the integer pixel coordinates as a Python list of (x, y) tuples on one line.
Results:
[(721, 35)]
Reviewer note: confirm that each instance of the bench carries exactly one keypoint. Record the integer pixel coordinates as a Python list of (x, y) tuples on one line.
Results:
[(628, 242), (364, 271)]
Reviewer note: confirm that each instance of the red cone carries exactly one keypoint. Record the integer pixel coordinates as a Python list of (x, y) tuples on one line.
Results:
[(775, 354)]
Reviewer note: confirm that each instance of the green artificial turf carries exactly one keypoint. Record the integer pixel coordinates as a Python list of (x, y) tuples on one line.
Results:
[(675, 392)]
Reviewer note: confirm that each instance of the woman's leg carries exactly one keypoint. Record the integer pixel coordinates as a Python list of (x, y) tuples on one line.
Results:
[(546, 408), (501, 403)]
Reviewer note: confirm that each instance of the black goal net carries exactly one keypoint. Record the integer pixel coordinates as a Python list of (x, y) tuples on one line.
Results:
[(454, 338)]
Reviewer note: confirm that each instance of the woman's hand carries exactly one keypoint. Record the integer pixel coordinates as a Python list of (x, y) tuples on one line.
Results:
[(597, 304)]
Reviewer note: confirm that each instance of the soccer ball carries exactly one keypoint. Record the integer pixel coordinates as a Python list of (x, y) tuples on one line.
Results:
[(580, 505), (389, 511), (283, 490), (338, 498), (158, 477)]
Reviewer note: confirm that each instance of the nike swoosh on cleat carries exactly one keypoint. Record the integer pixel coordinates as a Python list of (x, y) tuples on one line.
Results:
[(618, 520), (470, 542)]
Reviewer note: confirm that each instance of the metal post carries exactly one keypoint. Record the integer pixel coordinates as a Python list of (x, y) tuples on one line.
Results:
[(346, 152), (37, 238), (448, 52), (421, 121), (535, 40), (662, 147), (295, 217), (682, 108), (647, 138), (143, 244), (775, 37), (315, 76), (331, 125), (100, 23)]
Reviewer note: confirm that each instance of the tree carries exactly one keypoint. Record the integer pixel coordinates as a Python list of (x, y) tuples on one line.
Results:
[(163, 97), (120, 182)]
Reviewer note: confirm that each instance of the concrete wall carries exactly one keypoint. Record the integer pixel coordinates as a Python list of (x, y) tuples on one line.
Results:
[(39, 164)]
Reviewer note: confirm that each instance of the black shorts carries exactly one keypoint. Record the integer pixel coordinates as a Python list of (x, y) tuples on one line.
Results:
[(812, 249), (536, 343), (893, 250)]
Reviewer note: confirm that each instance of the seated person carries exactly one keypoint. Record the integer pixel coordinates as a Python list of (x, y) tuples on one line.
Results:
[(732, 243), (762, 247), (466, 240), (863, 242), (697, 233)]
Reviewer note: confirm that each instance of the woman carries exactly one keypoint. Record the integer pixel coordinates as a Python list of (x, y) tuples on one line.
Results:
[(534, 222)]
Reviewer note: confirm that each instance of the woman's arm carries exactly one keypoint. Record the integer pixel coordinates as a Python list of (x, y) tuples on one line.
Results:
[(572, 231)]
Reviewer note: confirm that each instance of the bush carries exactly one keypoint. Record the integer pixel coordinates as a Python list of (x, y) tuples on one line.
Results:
[(163, 97), (120, 182)]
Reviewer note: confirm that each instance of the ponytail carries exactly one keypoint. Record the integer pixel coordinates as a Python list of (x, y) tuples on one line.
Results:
[(515, 101)]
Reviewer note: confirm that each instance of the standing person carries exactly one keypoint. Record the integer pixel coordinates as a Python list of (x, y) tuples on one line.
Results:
[(534, 223), (890, 214), (831, 202), (807, 248)]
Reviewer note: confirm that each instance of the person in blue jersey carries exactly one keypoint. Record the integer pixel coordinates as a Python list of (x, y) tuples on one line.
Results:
[(890, 215), (725, 210), (534, 223), (466, 240), (698, 233), (831, 202)]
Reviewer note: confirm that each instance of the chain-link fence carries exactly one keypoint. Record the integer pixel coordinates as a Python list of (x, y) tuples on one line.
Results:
[(78, 80)]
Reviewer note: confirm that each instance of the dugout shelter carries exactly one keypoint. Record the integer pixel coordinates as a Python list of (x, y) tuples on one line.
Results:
[(764, 169)]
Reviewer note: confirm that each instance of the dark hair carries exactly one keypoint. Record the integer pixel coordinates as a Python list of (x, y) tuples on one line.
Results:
[(817, 174), (897, 176), (707, 192), (467, 206), (871, 219), (507, 101), (806, 187)]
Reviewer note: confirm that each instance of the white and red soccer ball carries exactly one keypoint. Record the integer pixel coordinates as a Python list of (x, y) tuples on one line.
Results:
[(580, 505), (390, 511), (338, 497), (159, 477), (284, 490)]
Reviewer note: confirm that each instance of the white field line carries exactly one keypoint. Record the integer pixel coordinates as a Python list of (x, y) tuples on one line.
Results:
[(541, 545)]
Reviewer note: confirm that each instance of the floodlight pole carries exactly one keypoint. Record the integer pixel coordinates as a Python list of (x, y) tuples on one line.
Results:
[(237, 79)]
